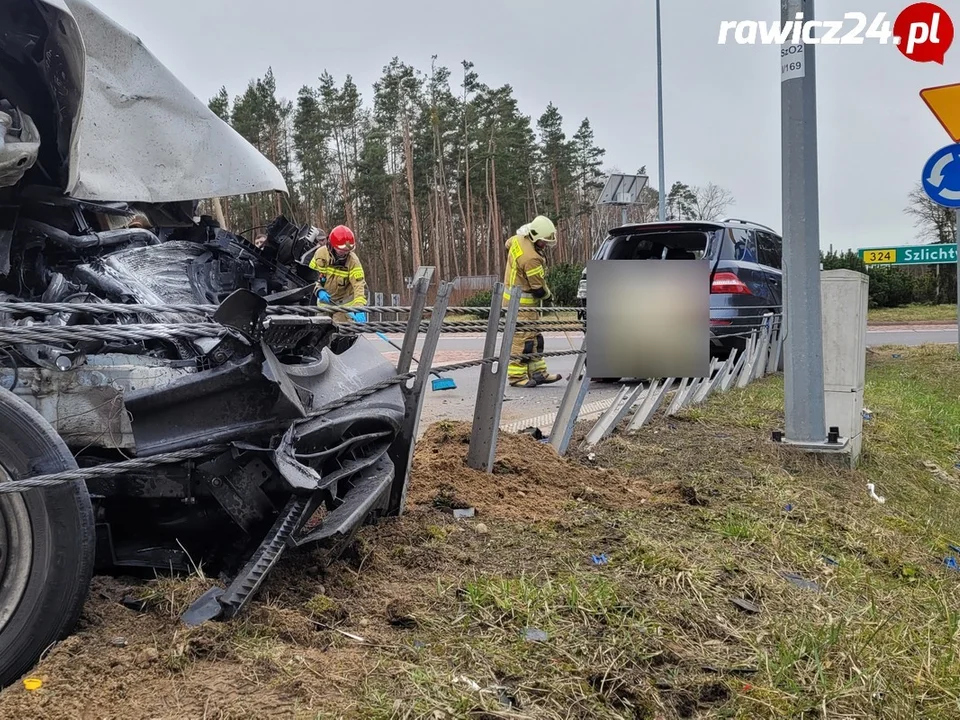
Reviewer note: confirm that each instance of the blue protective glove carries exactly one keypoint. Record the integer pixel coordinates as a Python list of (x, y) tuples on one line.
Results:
[(360, 317), (323, 297)]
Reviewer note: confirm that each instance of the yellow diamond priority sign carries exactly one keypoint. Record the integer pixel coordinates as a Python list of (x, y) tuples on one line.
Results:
[(944, 103)]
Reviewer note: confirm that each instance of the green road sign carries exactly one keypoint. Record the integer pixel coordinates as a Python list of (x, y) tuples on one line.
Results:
[(910, 255)]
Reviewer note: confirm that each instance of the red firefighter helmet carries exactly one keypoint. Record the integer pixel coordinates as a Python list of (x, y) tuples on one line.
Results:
[(341, 240)]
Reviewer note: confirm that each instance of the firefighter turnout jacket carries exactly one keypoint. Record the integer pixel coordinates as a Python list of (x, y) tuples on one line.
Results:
[(343, 280), (525, 270)]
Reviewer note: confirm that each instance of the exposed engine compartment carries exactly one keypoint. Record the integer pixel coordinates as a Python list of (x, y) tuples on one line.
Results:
[(253, 377), (171, 381)]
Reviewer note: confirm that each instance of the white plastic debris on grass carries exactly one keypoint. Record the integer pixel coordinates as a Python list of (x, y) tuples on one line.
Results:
[(872, 489), (461, 680)]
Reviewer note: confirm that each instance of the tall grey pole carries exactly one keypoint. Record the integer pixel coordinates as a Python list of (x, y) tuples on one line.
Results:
[(956, 240), (663, 189), (803, 361)]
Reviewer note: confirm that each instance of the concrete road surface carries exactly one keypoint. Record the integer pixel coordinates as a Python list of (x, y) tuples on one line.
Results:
[(536, 406)]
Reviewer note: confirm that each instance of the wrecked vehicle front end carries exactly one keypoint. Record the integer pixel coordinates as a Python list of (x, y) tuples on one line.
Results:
[(131, 329)]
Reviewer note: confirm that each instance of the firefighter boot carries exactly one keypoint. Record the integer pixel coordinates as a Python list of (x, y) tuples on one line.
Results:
[(538, 367), (523, 382), (544, 378)]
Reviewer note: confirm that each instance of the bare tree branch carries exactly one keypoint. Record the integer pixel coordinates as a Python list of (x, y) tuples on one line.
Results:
[(934, 224), (710, 202)]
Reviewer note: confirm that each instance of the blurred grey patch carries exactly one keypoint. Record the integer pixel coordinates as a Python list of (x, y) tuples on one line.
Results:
[(648, 318), (535, 635)]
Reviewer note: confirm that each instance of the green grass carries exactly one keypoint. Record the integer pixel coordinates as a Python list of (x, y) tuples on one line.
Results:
[(691, 617), (654, 632), (914, 313)]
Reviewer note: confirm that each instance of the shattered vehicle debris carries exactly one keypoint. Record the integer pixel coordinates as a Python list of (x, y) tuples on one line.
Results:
[(104, 156)]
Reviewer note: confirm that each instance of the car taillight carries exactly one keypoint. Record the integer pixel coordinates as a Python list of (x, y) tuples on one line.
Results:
[(726, 283)]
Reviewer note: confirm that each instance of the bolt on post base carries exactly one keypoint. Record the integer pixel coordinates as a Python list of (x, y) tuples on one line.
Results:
[(833, 445)]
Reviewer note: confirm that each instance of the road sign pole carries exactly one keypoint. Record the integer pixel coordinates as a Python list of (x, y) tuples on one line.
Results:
[(803, 361), (956, 239), (662, 207)]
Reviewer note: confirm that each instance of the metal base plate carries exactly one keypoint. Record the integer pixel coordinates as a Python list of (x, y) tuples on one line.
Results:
[(841, 446)]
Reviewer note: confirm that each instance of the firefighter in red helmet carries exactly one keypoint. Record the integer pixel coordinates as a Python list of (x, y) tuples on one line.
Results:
[(340, 281)]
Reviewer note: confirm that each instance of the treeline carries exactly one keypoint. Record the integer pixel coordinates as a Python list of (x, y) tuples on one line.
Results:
[(434, 170), (897, 286)]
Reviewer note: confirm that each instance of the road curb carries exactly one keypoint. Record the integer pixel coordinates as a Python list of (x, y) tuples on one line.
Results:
[(545, 422), (919, 323)]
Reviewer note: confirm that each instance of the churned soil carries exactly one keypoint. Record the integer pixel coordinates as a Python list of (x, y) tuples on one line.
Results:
[(321, 637), (529, 481)]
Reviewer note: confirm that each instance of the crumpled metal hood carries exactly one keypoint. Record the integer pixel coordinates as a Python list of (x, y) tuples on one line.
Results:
[(140, 135)]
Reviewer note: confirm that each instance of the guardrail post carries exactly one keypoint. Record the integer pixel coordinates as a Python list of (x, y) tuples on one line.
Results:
[(395, 302), (684, 392), (573, 398), (774, 364), (654, 399), (378, 301), (710, 383), (493, 382), (763, 356), (413, 396), (607, 421), (751, 358), (731, 376), (421, 286)]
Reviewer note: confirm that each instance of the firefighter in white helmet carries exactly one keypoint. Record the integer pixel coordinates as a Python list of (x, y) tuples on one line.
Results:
[(525, 253), (341, 281)]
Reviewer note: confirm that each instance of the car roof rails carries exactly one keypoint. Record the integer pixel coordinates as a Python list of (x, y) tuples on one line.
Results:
[(749, 222)]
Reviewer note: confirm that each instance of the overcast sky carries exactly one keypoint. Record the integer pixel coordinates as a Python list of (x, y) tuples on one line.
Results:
[(598, 59)]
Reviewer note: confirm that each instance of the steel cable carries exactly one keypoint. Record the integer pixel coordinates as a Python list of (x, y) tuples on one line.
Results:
[(109, 470), (18, 335), (177, 331)]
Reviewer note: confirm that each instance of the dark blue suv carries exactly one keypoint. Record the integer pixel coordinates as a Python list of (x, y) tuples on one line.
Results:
[(746, 275)]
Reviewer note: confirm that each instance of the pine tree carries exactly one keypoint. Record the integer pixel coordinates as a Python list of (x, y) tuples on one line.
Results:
[(428, 173), (589, 178), (311, 139)]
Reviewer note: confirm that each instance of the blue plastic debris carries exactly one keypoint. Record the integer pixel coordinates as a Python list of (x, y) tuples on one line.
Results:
[(829, 560), (951, 562), (954, 548), (788, 507), (897, 356), (600, 559)]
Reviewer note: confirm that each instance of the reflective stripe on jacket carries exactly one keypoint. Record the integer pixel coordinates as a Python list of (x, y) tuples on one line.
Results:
[(343, 280), (524, 268)]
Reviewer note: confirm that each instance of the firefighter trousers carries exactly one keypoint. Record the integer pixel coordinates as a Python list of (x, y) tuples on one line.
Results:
[(526, 342)]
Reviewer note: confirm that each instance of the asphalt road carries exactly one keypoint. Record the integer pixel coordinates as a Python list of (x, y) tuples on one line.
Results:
[(522, 404)]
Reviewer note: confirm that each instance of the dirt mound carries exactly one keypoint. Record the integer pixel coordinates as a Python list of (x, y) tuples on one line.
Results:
[(529, 481), (315, 630)]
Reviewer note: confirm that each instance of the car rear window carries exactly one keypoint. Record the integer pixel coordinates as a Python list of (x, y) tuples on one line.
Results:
[(675, 245)]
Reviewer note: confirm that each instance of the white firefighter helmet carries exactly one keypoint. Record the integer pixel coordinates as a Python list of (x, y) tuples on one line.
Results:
[(542, 230)]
